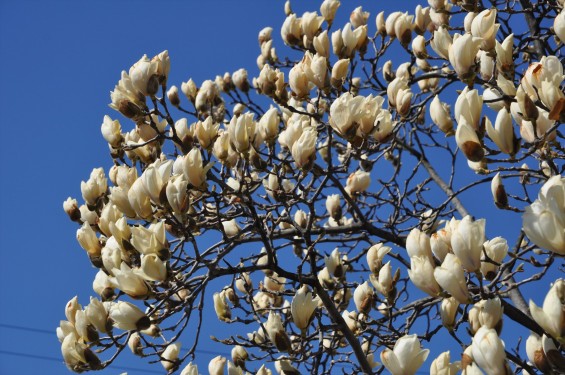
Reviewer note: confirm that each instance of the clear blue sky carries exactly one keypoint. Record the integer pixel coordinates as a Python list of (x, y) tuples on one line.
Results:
[(59, 61)]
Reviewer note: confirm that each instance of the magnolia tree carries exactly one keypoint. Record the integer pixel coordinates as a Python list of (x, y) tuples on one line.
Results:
[(320, 191)]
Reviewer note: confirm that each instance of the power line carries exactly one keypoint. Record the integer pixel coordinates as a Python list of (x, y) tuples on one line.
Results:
[(52, 332), (53, 359), (29, 329), (48, 332)]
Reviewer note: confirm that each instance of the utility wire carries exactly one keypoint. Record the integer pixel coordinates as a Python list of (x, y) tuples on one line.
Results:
[(53, 359), (48, 332), (52, 333)]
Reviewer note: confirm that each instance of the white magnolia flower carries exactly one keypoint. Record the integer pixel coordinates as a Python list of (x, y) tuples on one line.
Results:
[(302, 307), (488, 351), (467, 242), (406, 357), (451, 277), (551, 316), (544, 220)]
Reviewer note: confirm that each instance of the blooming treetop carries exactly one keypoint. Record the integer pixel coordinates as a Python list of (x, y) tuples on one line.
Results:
[(332, 153)]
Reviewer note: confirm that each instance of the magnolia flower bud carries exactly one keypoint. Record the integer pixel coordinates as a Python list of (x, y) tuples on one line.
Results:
[(418, 244), (528, 109), (169, 357), (442, 366), (419, 47), (130, 282), (462, 54), (451, 278), (173, 96), (375, 256), (467, 242), (488, 351), (406, 357), (363, 298), (468, 21), (385, 282), (403, 28), (243, 283), (448, 311), (216, 365), (276, 332), (95, 186), (334, 264), (358, 17), (498, 192), (551, 316), (441, 116), (440, 243), (206, 132), (441, 42), (144, 76), (97, 315), (358, 182), (189, 89), (134, 344), (71, 308), (304, 149), (240, 81), (153, 268), (70, 206), (486, 65), (559, 26), (403, 100), (350, 319), (322, 44), (490, 313), (177, 195), (102, 286), (155, 177), (484, 26), (496, 250), (239, 355), (231, 228), (221, 306), (339, 72), (440, 17), (150, 240), (76, 354), (381, 23), (290, 30), (504, 56), (543, 220), (536, 353), (190, 369), (128, 317), (302, 308), (112, 132), (87, 239), (110, 214), (395, 91), (193, 169), (333, 206), (265, 35), (422, 19), (274, 282), (206, 95), (468, 141), (468, 107), (502, 134), (328, 10), (138, 199), (421, 274)]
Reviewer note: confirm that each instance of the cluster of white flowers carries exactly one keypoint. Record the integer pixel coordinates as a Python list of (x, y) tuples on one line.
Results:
[(302, 171)]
